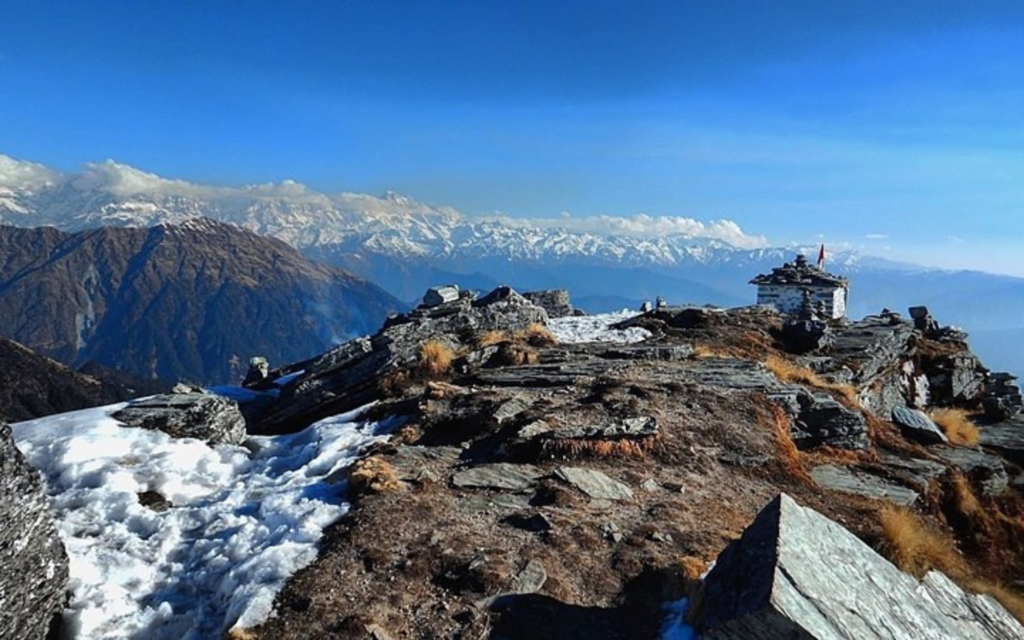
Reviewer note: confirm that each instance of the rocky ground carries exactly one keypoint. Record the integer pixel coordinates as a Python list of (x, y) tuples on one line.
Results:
[(540, 486), (545, 490)]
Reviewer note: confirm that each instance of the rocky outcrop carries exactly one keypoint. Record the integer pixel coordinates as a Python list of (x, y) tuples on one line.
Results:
[(918, 426), (35, 566), (207, 417), (190, 301), (1003, 398), (796, 574), (357, 371)]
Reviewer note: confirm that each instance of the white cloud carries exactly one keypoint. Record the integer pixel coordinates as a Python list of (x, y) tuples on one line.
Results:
[(23, 174), (877, 236), (642, 225)]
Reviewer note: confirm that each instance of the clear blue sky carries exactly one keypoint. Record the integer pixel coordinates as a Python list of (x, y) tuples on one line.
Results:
[(893, 124)]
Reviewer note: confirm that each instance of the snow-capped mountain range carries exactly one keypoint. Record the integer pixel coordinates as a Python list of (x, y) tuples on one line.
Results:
[(113, 194)]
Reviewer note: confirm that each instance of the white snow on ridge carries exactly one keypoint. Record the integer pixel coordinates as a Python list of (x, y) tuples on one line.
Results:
[(597, 328), (240, 523)]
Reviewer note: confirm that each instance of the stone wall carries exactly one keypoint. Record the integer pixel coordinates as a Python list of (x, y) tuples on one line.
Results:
[(787, 299)]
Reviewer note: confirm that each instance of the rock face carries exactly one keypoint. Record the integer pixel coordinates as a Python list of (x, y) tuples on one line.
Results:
[(35, 566), (1003, 398), (190, 301), (796, 574), (207, 417)]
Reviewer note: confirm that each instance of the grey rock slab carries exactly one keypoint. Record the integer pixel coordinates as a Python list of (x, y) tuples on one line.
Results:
[(916, 425), (595, 484), (436, 296), (860, 483), (1007, 436), (915, 470), (638, 427), (534, 429), (531, 579), (207, 417), (499, 475), (509, 409), (982, 468), (796, 574), (35, 566)]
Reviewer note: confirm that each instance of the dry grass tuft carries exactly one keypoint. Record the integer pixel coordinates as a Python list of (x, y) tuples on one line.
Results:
[(957, 425), (917, 549), (374, 475), (788, 454), (514, 354), (966, 503), (393, 383), (575, 448), (537, 335), (789, 371), (435, 358), (240, 633), (488, 338)]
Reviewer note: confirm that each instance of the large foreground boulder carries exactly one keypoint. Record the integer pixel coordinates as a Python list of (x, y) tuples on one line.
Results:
[(796, 574), (35, 566), (204, 416)]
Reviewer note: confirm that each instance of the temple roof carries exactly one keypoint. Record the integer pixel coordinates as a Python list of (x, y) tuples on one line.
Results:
[(800, 273)]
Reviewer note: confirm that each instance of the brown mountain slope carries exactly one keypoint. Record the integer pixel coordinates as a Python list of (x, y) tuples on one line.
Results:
[(191, 301)]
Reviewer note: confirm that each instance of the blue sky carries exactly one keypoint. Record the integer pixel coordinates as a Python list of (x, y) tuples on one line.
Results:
[(897, 127)]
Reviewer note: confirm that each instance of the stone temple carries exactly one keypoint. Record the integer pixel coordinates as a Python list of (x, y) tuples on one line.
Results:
[(789, 288)]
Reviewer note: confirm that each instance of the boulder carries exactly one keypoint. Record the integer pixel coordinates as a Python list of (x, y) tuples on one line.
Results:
[(796, 574), (500, 475), (207, 417), (1007, 437), (34, 579), (554, 301), (436, 296), (918, 426), (805, 335), (983, 469)]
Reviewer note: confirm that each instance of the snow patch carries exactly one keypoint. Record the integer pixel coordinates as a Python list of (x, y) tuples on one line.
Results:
[(241, 520), (597, 328)]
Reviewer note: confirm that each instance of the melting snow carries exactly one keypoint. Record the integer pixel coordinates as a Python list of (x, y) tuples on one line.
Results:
[(241, 521), (597, 328)]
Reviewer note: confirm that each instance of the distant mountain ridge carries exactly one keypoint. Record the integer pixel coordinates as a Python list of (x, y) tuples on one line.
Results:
[(187, 301), (404, 246)]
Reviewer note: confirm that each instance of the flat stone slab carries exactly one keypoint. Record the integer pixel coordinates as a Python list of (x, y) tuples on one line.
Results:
[(204, 416), (916, 470), (796, 574), (640, 427), (500, 475), (862, 484), (1007, 436), (985, 469), (917, 426), (594, 483)]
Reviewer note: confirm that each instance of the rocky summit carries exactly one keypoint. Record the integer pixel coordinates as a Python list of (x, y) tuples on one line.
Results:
[(682, 470)]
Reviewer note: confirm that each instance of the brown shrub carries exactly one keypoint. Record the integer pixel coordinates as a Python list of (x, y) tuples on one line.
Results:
[(789, 371), (917, 549), (957, 425), (392, 384), (374, 475), (435, 358)]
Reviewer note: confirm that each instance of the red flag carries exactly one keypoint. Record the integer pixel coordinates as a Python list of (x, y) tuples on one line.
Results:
[(821, 257)]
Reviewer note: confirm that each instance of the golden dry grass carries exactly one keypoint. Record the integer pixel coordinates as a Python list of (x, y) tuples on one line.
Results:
[(435, 358), (789, 371), (917, 549), (788, 455), (374, 475), (957, 425), (966, 503), (537, 335), (575, 448), (489, 338)]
